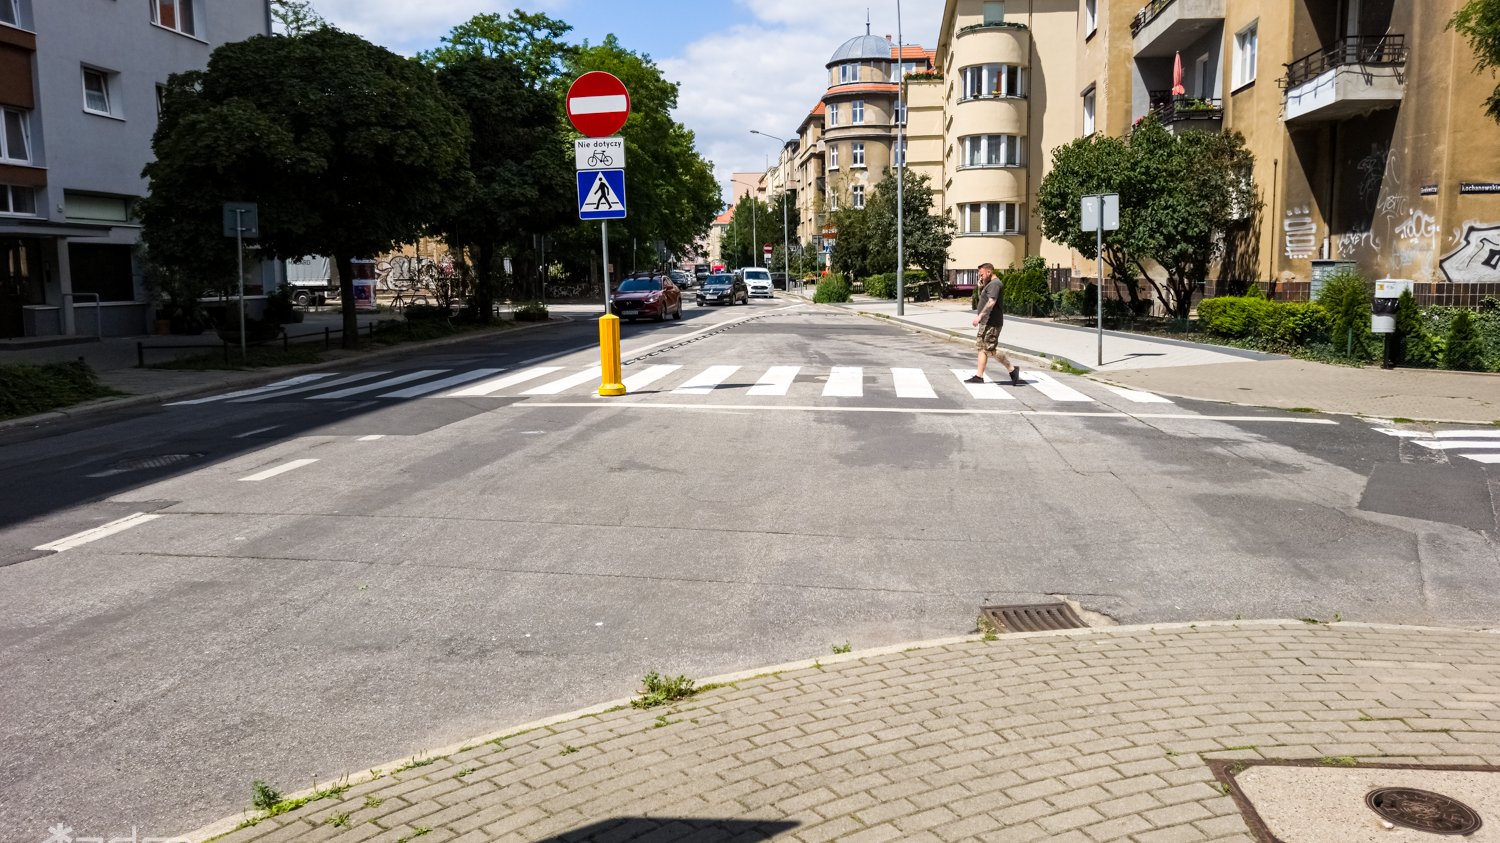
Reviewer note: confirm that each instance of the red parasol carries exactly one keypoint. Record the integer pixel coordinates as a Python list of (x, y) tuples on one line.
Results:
[(1177, 87)]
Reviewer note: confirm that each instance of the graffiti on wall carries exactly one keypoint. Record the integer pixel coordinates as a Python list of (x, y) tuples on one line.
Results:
[(1477, 257), (1375, 170), (408, 272), (1357, 238), (1300, 233)]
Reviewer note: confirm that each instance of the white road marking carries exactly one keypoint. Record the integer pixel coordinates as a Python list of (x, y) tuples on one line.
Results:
[(99, 532), (986, 391), (373, 438), (257, 390), (643, 379), (280, 469), (912, 383), (282, 393), (812, 408), (776, 381), (250, 433), (483, 388), (845, 382), (371, 387), (455, 380), (1468, 434), (1052, 388), (1457, 444), (1404, 434), (1137, 395), (1488, 459), (563, 384), (705, 381)]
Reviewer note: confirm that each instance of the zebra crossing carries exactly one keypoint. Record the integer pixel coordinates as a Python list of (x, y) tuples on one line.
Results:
[(1483, 443), (834, 382)]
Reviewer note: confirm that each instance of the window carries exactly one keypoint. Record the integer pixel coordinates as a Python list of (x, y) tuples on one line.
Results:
[(992, 80), (994, 12), (857, 154), (992, 151), (833, 201), (990, 218), (95, 91), (859, 196), (1088, 111), (1246, 51), (15, 199), (833, 116), (1090, 16), (176, 15), (833, 157), (848, 73), (857, 112), (9, 13), (161, 99), (901, 112), (15, 140)]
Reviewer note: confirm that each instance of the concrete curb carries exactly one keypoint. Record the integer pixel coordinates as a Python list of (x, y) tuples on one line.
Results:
[(228, 824), (236, 377)]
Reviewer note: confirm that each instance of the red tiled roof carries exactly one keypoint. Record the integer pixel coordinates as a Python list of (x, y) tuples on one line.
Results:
[(817, 109), (913, 52), (863, 88), (725, 218)]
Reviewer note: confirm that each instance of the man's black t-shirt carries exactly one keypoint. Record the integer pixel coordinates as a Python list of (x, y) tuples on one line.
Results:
[(995, 291)]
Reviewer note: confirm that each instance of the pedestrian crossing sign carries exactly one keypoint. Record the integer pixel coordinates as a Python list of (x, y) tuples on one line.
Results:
[(601, 195)]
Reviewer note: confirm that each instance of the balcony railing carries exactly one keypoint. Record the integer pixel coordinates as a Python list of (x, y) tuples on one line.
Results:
[(1148, 14), (1171, 109), (1386, 50)]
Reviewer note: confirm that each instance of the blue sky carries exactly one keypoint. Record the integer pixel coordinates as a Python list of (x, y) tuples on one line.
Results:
[(740, 64)]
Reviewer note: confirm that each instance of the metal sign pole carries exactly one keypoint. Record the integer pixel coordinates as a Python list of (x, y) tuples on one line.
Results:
[(239, 243), (1099, 267), (604, 235)]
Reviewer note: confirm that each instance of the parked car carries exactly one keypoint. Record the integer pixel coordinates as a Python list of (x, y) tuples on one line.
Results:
[(647, 294), (681, 278), (778, 280), (723, 289), (758, 281), (700, 272)]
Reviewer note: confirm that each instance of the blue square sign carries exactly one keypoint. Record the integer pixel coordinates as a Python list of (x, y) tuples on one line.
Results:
[(601, 195)]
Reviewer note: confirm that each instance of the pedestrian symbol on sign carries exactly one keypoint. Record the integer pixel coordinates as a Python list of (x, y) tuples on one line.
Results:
[(601, 194), (603, 199)]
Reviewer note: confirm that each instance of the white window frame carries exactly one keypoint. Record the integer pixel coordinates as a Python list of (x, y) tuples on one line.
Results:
[(994, 218), (1090, 104), (857, 194), (103, 76), (857, 154), (1090, 17), (848, 73), (900, 113), (1246, 54), (996, 150), (15, 13), (833, 200), (857, 113), (982, 81), (6, 121), (833, 156), (833, 115), (177, 23), (994, 6), (8, 193)]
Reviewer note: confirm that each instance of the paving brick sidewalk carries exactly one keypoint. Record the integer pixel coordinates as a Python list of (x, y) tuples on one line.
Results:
[(1089, 735)]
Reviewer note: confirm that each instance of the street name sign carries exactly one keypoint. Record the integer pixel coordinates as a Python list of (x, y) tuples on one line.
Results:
[(1091, 210), (599, 153), (598, 104), (601, 194), (242, 219)]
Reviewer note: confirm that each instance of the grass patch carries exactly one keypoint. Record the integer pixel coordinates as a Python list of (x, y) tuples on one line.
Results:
[(272, 804), (30, 388), (373, 801), (338, 821), (417, 762), (1404, 420), (1339, 761), (1303, 410), (840, 649), (1067, 368), (991, 633), (568, 749), (416, 832), (661, 720), (660, 690), (465, 771), (256, 357)]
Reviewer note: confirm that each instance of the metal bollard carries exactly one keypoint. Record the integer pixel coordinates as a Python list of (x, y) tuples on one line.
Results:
[(140, 355), (327, 338)]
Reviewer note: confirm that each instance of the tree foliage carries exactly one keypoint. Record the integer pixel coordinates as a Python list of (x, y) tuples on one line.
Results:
[(755, 224), (1479, 21), (1464, 350), (296, 17), (530, 40), (1180, 196), (925, 235), (348, 148)]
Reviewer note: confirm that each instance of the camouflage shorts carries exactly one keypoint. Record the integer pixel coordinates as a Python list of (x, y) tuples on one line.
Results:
[(988, 339)]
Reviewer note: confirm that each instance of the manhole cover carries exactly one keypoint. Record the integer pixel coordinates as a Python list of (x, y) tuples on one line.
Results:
[(158, 461), (1033, 617), (1423, 810)]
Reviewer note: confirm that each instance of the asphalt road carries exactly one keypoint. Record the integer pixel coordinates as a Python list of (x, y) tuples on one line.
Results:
[(322, 577)]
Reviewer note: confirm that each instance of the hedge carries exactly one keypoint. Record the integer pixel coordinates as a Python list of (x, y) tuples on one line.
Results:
[(831, 290), (1280, 324)]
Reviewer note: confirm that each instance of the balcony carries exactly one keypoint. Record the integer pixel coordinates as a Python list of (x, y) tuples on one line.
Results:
[(1163, 27), (1182, 113), (1354, 76)]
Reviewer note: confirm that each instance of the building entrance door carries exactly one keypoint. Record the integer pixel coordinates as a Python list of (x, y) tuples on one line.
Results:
[(20, 284)]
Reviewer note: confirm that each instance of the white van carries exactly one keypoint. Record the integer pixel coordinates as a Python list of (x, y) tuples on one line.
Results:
[(758, 281)]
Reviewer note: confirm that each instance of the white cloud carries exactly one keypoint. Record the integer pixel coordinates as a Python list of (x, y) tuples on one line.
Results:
[(407, 27)]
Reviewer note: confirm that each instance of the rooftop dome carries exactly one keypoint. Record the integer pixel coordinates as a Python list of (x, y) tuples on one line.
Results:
[(863, 47)]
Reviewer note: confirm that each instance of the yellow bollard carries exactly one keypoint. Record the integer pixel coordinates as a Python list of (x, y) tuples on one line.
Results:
[(609, 355)]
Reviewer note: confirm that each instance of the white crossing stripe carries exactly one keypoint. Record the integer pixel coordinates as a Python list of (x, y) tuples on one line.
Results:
[(280, 469), (1488, 459), (1052, 388), (1468, 434), (282, 393), (564, 384), (776, 381), (643, 379), (845, 382), (257, 390), (483, 388), (704, 382), (1457, 445), (98, 532), (371, 387), (1404, 434), (1138, 396), (912, 383), (986, 391), (455, 380)]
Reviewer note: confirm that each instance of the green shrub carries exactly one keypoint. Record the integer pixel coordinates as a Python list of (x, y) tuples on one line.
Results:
[(1346, 296), (424, 312), (1278, 324), (1026, 289), (831, 290), (1068, 302), (1415, 346), (27, 389), (1463, 351), (881, 286), (532, 311)]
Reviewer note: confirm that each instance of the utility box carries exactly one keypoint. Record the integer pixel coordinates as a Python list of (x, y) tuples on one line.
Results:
[(1383, 309), (1322, 269)]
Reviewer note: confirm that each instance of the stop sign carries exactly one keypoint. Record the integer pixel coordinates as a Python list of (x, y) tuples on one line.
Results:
[(598, 104)]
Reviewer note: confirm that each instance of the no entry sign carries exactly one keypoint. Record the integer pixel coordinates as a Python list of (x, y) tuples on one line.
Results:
[(598, 104)]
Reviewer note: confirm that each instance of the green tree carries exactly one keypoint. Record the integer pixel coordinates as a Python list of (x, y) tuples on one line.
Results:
[(531, 40), (1026, 290), (1464, 351), (925, 235), (1417, 345), (1346, 298), (348, 148), (296, 17), (755, 224), (1479, 21), (1098, 163), (852, 247)]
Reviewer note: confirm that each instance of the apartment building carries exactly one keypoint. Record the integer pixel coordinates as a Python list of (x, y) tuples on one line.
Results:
[(1365, 117), (79, 88)]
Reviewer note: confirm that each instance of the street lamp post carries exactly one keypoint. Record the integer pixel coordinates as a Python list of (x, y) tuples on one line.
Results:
[(786, 249), (900, 166)]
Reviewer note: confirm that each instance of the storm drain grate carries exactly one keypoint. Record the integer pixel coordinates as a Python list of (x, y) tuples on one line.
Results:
[(158, 461), (1032, 617), (1423, 810)]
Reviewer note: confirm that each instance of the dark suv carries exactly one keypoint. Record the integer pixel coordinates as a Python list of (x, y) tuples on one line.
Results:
[(647, 294), (723, 288)]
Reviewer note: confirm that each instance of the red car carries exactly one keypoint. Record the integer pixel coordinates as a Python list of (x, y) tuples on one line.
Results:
[(652, 295)]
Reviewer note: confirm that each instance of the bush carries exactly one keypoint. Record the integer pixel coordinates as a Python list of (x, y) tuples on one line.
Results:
[(831, 290), (1026, 290), (532, 311), (881, 286), (1346, 296), (27, 389), (1068, 302), (1464, 351), (1414, 345), (425, 312), (1275, 324)]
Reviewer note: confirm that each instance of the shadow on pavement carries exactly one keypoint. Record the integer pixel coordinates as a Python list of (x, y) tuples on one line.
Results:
[(676, 828)]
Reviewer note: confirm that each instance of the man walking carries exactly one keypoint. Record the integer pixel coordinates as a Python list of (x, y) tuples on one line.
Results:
[(991, 317)]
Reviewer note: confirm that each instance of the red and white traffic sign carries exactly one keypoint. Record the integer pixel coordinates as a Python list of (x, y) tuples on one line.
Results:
[(767, 248), (598, 104)]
